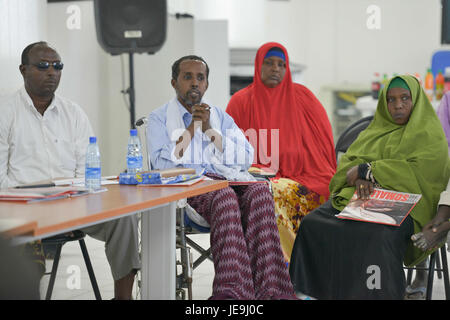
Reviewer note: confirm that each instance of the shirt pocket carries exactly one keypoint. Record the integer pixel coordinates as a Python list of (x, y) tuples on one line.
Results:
[(66, 150)]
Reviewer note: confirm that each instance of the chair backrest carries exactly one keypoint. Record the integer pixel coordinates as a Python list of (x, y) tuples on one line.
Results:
[(350, 134), (439, 61), (141, 125)]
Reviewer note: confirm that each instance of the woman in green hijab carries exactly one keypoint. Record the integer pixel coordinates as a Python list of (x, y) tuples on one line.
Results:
[(403, 149)]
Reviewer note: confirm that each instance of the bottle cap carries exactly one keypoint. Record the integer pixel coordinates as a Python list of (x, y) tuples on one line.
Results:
[(92, 139), (133, 132)]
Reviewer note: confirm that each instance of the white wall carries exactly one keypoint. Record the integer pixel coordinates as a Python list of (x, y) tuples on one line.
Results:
[(82, 78), (217, 55), (245, 18), (331, 37), (21, 23), (409, 33)]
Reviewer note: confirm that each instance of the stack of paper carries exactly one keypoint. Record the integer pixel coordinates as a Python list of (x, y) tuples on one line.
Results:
[(78, 182), (41, 194)]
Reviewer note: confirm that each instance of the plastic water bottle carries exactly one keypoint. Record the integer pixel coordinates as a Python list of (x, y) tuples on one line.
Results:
[(385, 81), (134, 154), (429, 85), (439, 87), (376, 86), (93, 173)]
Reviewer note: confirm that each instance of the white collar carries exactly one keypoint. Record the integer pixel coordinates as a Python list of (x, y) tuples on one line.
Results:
[(28, 102)]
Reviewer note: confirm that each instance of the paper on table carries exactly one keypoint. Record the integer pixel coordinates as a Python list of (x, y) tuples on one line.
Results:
[(244, 183), (173, 172), (36, 194), (80, 181), (178, 184), (76, 182)]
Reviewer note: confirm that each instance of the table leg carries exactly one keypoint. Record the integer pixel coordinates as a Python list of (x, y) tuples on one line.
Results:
[(158, 256)]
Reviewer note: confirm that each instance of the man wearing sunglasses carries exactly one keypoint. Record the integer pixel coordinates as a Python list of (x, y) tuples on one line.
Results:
[(44, 136), (41, 71)]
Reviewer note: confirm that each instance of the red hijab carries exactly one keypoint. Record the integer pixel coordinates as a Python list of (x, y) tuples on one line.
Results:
[(306, 147)]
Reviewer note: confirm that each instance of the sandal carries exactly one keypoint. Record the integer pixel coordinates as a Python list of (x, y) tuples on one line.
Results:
[(417, 293)]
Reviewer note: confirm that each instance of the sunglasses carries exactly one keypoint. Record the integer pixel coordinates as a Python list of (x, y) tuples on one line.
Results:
[(45, 65)]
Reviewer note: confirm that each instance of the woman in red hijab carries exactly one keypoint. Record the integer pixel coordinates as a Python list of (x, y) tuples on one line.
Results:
[(292, 137)]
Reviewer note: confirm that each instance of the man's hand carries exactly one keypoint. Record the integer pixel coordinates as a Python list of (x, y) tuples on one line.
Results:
[(200, 116), (200, 112)]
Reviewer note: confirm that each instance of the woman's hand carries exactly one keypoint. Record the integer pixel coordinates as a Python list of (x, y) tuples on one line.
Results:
[(434, 232), (352, 175), (364, 188)]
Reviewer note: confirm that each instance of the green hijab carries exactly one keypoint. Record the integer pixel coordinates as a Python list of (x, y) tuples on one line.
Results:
[(408, 158)]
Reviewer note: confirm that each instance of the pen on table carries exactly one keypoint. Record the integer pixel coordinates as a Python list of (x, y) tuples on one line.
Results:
[(43, 185)]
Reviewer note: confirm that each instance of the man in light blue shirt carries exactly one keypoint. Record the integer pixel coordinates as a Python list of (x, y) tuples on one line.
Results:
[(245, 244), (188, 132)]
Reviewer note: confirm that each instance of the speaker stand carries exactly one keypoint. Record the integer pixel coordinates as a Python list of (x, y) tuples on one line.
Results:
[(131, 92)]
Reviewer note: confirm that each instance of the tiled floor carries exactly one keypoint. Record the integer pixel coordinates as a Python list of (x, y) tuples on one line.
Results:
[(67, 286), (71, 265)]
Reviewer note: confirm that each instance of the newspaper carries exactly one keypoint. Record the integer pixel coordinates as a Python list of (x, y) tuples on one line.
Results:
[(384, 207), (41, 193)]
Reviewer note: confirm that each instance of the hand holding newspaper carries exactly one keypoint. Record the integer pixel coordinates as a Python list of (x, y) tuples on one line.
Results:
[(384, 206)]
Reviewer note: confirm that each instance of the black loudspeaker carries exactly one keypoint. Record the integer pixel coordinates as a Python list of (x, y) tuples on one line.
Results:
[(131, 26)]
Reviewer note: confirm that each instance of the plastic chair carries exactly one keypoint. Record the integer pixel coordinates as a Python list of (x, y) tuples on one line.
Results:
[(439, 61), (189, 223), (350, 134), (434, 260), (59, 241)]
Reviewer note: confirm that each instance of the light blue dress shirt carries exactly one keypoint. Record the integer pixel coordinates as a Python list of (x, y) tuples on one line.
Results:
[(161, 148)]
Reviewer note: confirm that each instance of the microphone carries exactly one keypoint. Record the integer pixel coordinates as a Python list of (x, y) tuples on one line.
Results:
[(141, 121)]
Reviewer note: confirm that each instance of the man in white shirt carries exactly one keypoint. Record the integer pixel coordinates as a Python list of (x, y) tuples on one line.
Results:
[(44, 136)]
